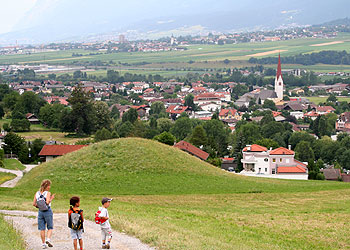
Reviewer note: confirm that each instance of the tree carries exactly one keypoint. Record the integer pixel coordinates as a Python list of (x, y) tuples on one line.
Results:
[(297, 137), (268, 117), (131, 115), (182, 128), (82, 117), (35, 148), (304, 152), (11, 99), (13, 143), (157, 109), (344, 159), (50, 114), (102, 115), (20, 125), (115, 113), (102, 134), (217, 135), (164, 124), (30, 102), (250, 132), (272, 128), (125, 129), (189, 102), (269, 104), (199, 136), (166, 138), (332, 98), (268, 143)]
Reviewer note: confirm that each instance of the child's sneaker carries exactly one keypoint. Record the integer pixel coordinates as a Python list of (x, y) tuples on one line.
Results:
[(108, 246), (44, 246), (49, 243)]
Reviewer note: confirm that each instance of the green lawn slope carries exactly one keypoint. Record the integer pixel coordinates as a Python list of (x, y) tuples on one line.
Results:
[(172, 200), (136, 166)]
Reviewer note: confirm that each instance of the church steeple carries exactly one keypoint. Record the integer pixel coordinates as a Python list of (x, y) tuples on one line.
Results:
[(279, 80), (279, 67)]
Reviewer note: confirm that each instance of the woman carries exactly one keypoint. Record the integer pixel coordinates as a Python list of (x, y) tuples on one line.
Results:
[(45, 217)]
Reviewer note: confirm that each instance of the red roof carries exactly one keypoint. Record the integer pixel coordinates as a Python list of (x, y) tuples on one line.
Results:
[(279, 68), (294, 169), (225, 112), (188, 147), (281, 151), (325, 109), (57, 150), (275, 113), (255, 148), (176, 109)]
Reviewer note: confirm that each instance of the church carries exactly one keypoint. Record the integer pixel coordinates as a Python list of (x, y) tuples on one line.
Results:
[(260, 95)]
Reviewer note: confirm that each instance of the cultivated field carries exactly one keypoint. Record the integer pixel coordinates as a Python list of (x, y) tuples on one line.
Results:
[(172, 200), (208, 56)]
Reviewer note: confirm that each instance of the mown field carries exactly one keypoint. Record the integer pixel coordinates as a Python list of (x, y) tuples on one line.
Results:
[(322, 99), (6, 177), (172, 200), (208, 54)]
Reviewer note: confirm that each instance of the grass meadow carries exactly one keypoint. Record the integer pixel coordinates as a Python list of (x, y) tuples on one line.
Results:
[(9, 237), (13, 164), (322, 99), (6, 177), (172, 200)]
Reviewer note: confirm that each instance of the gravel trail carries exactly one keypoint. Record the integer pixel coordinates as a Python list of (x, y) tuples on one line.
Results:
[(26, 223), (12, 183)]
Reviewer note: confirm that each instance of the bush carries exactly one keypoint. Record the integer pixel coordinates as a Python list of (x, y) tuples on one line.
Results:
[(166, 138), (320, 176), (215, 161)]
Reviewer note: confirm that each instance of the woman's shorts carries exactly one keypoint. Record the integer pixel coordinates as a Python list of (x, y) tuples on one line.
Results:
[(45, 220)]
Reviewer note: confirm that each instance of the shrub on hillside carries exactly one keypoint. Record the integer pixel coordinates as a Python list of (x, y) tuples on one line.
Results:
[(166, 138)]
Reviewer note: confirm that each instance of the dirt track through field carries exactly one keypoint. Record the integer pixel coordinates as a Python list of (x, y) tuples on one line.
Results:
[(26, 223), (267, 53), (325, 44)]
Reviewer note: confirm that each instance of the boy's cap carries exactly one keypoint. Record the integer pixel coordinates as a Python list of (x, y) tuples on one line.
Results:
[(105, 199)]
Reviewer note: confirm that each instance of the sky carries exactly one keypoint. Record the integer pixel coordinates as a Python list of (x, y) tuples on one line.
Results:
[(12, 11)]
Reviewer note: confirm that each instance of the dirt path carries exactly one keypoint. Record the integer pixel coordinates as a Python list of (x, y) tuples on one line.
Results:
[(12, 183), (26, 223)]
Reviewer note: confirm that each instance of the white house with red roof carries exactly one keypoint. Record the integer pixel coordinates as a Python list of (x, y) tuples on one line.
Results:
[(278, 163), (49, 152)]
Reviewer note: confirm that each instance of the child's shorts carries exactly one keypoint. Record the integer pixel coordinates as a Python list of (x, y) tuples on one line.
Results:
[(76, 234), (106, 233)]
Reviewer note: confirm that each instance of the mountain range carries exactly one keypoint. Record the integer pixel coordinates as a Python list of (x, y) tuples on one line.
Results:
[(67, 20)]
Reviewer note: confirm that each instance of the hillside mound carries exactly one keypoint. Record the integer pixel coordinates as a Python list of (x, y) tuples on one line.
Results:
[(140, 166)]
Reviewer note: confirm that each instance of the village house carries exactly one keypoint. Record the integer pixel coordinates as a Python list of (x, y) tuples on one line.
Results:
[(278, 163), (207, 98), (49, 152), (33, 119), (278, 116), (229, 114), (323, 110), (343, 122), (176, 110)]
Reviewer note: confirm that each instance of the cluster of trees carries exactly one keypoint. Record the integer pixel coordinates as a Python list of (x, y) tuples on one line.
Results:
[(27, 152), (84, 116), (17, 106), (326, 57)]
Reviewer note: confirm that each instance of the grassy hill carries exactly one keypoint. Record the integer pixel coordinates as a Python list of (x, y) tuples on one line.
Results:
[(143, 167), (172, 200)]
